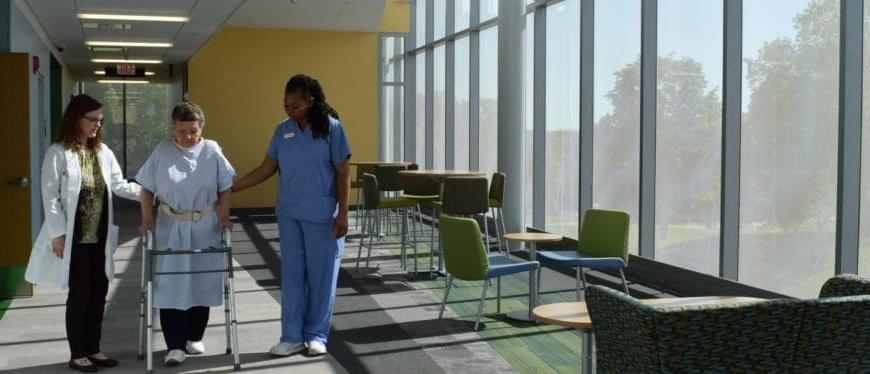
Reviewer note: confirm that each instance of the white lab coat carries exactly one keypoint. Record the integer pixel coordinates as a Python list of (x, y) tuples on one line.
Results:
[(61, 184)]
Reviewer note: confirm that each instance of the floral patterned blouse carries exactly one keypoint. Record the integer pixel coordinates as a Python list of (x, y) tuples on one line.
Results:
[(91, 198)]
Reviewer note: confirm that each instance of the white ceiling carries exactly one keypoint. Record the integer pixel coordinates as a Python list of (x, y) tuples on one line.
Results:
[(65, 30)]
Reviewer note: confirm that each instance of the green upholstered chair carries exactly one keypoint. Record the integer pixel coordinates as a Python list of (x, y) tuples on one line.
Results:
[(372, 204), (603, 243), (467, 259)]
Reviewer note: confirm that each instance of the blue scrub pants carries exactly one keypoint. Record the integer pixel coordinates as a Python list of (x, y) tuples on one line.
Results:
[(310, 259)]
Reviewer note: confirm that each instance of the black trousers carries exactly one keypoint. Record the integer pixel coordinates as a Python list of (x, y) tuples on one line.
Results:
[(86, 299), (180, 326)]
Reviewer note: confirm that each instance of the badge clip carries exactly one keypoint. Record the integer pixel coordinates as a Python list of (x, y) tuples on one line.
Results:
[(289, 135)]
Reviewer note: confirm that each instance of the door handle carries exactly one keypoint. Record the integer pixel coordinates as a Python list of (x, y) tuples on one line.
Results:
[(21, 182)]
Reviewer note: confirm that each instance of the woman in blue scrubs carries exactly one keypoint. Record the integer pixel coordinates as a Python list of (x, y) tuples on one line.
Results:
[(311, 151)]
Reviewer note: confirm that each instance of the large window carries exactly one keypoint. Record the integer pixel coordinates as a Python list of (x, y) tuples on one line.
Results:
[(563, 118), (488, 145), (438, 140), (616, 136), (488, 9), (420, 125), (420, 22), (392, 48), (789, 144), (460, 104), (440, 18), (864, 251), (134, 131), (689, 133), (462, 15), (528, 116)]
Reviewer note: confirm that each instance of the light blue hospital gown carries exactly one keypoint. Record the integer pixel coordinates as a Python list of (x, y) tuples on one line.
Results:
[(187, 179)]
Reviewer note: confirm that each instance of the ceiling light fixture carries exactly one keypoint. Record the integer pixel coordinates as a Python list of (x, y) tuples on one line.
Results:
[(100, 43), (131, 17), (123, 61), (110, 81)]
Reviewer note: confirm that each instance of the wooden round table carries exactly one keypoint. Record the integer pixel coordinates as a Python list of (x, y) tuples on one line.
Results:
[(533, 238), (576, 315), (376, 163)]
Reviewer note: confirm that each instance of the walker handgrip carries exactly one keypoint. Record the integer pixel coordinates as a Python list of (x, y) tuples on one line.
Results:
[(226, 238), (148, 239)]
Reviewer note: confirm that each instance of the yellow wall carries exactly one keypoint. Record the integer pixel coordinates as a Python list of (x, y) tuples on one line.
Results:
[(396, 18), (238, 78)]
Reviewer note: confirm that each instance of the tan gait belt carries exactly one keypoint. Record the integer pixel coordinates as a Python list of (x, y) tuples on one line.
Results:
[(186, 215)]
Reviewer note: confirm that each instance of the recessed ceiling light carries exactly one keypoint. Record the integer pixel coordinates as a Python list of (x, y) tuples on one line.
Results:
[(123, 61), (132, 17), (103, 72), (101, 43), (107, 49), (109, 81)]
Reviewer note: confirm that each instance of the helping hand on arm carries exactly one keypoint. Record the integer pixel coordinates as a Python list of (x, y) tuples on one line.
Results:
[(266, 169)]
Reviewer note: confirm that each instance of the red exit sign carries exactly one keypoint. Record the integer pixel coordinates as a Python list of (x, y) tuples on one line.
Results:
[(126, 69)]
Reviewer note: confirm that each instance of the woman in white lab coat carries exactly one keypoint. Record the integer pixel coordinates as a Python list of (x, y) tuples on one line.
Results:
[(78, 238), (191, 178)]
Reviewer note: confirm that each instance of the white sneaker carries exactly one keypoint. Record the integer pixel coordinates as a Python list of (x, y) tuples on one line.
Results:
[(286, 349), (195, 348), (316, 348), (174, 357)]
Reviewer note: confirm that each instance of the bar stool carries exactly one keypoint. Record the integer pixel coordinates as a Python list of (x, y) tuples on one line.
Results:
[(496, 202), (357, 185), (422, 191), (464, 197), (373, 204), (390, 183)]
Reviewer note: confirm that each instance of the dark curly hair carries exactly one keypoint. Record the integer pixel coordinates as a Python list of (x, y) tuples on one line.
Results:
[(68, 130), (319, 113)]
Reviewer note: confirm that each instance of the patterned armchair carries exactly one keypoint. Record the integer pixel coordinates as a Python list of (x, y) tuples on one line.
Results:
[(828, 334), (835, 333)]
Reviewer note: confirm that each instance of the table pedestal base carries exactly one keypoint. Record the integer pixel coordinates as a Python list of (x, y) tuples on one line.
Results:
[(520, 315)]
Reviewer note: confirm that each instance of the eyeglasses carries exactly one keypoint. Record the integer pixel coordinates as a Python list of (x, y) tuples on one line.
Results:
[(94, 121)]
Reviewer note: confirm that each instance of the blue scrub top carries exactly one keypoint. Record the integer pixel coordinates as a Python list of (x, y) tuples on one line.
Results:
[(307, 189)]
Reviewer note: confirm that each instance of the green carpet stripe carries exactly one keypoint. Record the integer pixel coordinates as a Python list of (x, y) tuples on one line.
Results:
[(527, 347)]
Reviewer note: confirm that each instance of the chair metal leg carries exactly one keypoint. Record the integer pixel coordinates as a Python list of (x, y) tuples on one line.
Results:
[(362, 236), (498, 295), (446, 294), (577, 278), (486, 234), (405, 236), (507, 247), (371, 237), (624, 282), (403, 245), (480, 306), (583, 277)]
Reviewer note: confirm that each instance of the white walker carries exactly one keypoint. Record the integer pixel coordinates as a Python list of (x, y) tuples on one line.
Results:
[(146, 294)]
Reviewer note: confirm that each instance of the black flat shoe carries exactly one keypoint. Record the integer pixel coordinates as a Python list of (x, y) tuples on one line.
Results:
[(106, 363), (82, 368)]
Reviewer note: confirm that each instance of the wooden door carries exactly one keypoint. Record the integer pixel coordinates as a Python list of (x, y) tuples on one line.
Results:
[(15, 178)]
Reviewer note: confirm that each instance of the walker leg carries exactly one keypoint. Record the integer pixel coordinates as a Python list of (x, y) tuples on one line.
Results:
[(149, 336), (227, 316), (234, 332)]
